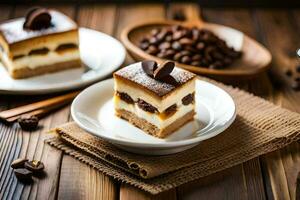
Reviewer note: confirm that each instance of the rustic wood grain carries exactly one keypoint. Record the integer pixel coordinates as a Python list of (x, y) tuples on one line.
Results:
[(281, 167), (9, 139), (30, 145), (77, 180), (247, 178)]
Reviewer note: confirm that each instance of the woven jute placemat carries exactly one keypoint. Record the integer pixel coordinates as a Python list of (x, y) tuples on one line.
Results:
[(260, 127)]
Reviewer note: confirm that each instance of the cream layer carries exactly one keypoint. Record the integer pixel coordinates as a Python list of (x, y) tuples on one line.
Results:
[(35, 61), (152, 117), (160, 104)]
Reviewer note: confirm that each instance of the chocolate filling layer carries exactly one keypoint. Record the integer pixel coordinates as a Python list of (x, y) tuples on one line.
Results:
[(169, 112), (149, 108), (125, 97), (41, 51), (66, 46), (146, 106), (188, 99)]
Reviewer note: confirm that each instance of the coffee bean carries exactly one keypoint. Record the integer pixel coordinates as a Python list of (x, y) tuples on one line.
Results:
[(153, 40), (170, 80), (28, 124), (186, 60), (196, 63), (161, 36), (200, 46), (164, 45), (164, 69), (177, 35), (18, 163), (170, 53), (217, 55), (149, 66), (196, 57), (188, 45), (144, 45), (169, 38), (37, 19), (154, 32), (23, 174), (177, 56), (196, 34), (185, 53), (191, 49), (35, 166), (185, 41), (152, 50), (176, 46)]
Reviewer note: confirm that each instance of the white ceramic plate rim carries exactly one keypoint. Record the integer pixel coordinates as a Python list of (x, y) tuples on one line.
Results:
[(167, 144), (73, 85)]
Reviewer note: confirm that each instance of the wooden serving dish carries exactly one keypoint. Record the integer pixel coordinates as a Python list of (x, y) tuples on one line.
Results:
[(255, 59)]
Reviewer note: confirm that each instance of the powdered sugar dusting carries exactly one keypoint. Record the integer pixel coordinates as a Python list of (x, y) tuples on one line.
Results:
[(136, 74)]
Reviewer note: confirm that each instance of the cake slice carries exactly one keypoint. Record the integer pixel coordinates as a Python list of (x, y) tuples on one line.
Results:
[(44, 41), (156, 99)]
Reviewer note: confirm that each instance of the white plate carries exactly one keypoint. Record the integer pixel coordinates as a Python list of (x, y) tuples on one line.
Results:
[(101, 53), (93, 111)]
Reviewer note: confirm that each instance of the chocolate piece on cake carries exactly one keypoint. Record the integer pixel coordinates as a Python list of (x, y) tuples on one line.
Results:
[(159, 106), (34, 45)]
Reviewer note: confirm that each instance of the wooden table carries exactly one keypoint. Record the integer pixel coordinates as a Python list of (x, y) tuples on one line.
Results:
[(272, 176)]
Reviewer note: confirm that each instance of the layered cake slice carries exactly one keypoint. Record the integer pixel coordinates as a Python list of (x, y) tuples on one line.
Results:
[(156, 99), (44, 41)]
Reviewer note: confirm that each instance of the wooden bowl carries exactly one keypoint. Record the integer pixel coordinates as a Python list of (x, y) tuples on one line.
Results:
[(255, 59)]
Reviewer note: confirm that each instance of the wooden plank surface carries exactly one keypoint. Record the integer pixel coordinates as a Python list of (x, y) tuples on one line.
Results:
[(272, 176), (78, 181)]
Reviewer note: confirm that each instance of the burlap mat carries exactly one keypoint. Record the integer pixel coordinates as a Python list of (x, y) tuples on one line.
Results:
[(260, 127)]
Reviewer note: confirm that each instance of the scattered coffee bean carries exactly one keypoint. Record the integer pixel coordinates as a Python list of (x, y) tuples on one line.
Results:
[(35, 166), (23, 174), (18, 163), (189, 45), (28, 124), (164, 69), (149, 66)]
